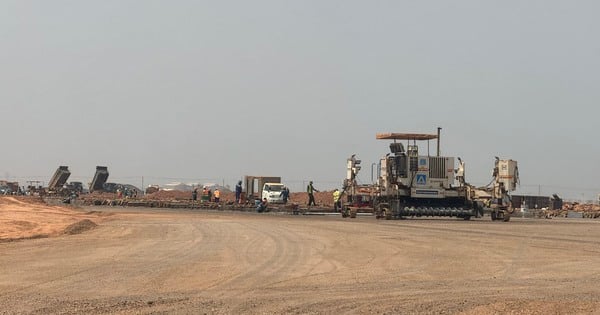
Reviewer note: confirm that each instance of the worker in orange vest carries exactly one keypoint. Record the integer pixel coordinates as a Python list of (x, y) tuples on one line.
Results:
[(217, 195)]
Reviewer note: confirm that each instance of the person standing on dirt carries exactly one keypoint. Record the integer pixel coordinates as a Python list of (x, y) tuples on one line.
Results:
[(285, 194), (195, 194), (311, 197), (336, 200), (460, 172), (217, 195), (238, 192), (205, 194)]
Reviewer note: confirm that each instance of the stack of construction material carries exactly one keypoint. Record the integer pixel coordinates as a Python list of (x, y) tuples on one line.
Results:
[(588, 210)]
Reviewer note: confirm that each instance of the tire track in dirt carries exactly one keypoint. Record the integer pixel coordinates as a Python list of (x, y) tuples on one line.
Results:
[(263, 271), (120, 253)]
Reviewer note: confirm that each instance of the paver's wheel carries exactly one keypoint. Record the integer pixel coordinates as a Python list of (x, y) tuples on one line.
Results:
[(493, 215), (387, 213), (379, 211), (353, 213), (345, 212)]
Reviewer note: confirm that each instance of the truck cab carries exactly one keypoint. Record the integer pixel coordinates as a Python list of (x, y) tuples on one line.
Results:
[(273, 192)]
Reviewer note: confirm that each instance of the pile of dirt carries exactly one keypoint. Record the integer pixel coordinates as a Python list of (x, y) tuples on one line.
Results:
[(32, 200), (80, 227), (28, 217), (101, 194), (169, 195), (184, 195), (97, 195), (322, 198)]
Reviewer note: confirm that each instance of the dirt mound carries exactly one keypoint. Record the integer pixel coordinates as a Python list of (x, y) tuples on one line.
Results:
[(323, 198), (20, 200), (100, 213), (27, 217), (184, 195), (80, 227), (169, 195), (101, 194)]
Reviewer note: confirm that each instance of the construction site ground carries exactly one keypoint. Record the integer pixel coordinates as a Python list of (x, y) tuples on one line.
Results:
[(97, 260)]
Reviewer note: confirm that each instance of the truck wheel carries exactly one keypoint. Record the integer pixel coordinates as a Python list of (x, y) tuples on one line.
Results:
[(493, 214)]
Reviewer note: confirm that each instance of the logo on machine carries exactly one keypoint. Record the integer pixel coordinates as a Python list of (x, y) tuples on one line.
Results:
[(421, 179)]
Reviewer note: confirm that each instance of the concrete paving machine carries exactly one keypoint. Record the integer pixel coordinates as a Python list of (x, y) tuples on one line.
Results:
[(412, 184), (495, 197)]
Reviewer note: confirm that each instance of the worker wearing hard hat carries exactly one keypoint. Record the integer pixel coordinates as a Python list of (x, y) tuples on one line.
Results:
[(336, 200), (205, 194), (238, 192), (217, 195), (311, 197), (460, 172)]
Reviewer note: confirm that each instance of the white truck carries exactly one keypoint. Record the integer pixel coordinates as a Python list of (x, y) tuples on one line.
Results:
[(273, 192)]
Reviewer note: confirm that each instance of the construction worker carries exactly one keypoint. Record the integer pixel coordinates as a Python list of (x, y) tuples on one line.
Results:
[(238, 192), (336, 200), (460, 172), (217, 195), (262, 206), (285, 194), (195, 194), (310, 190), (205, 194)]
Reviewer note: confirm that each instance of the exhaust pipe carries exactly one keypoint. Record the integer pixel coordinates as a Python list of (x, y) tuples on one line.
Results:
[(438, 140)]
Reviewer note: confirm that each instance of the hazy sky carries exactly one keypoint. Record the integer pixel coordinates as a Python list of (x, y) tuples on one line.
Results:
[(199, 91)]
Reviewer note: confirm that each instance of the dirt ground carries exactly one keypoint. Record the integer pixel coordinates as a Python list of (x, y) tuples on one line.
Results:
[(148, 261)]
